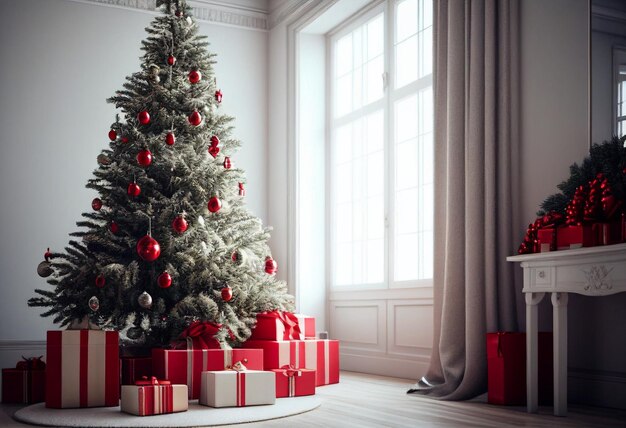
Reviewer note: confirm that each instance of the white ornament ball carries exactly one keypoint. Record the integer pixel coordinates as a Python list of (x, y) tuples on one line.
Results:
[(94, 303)]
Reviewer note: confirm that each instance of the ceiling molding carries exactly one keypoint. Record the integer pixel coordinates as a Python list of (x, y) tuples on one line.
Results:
[(216, 12), (287, 10)]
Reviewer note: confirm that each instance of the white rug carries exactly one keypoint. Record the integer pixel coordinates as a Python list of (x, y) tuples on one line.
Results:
[(197, 415)]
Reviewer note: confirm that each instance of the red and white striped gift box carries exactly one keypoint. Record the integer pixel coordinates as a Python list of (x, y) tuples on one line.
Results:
[(231, 388), (307, 326), (146, 400), (83, 369)]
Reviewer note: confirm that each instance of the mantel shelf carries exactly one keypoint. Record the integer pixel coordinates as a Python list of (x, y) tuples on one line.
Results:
[(569, 254)]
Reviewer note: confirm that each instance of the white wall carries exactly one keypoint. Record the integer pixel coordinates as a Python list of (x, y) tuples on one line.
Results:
[(61, 60)]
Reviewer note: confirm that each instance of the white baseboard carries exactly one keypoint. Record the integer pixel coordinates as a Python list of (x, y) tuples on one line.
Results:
[(597, 388), (383, 365)]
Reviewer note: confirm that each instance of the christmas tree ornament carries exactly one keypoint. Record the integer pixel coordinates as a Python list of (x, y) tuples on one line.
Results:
[(112, 135), (133, 190), (227, 294), (218, 96), (214, 204), (44, 269), (179, 224), (270, 265), (179, 13), (143, 117), (96, 204), (235, 257), (242, 191), (194, 76), (171, 60), (215, 141), (148, 248), (170, 139), (189, 21), (145, 300), (144, 157), (94, 303), (124, 139), (100, 281), (154, 73), (195, 118), (134, 333), (114, 228), (164, 280), (227, 163), (103, 159), (213, 151)]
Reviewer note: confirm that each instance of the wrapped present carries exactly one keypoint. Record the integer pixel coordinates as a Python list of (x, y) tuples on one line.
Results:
[(576, 236), (26, 383), (135, 368), (506, 368), (237, 387), (547, 239), (307, 326), (292, 382), (185, 366), (277, 325), (154, 397), (319, 355), (83, 369)]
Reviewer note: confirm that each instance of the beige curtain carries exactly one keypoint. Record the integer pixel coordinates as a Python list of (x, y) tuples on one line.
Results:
[(476, 92)]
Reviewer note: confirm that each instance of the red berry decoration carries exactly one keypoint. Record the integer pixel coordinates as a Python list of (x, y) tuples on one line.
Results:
[(227, 294), (214, 204), (100, 281), (242, 191), (133, 190), (148, 248), (144, 157), (195, 118), (164, 280), (143, 117), (114, 228), (195, 76), (214, 150), (47, 255), (112, 135), (124, 139), (171, 60), (218, 95), (270, 265), (170, 139), (215, 141), (180, 224), (96, 204), (227, 163)]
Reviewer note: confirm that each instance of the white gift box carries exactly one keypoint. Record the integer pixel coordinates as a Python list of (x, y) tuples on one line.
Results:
[(230, 388), (145, 400)]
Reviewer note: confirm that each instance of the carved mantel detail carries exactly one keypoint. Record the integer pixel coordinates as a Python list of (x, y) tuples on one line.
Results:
[(598, 279)]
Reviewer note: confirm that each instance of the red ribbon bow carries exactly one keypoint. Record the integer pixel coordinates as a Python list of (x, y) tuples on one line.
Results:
[(199, 335), (290, 321), (152, 381), (290, 371), (33, 363)]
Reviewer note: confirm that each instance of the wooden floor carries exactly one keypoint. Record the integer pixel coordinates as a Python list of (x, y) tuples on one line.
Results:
[(362, 400)]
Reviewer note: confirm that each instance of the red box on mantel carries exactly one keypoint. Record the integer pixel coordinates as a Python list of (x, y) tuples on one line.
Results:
[(584, 235), (319, 355), (547, 239), (292, 382), (506, 368), (23, 386), (185, 366), (135, 368)]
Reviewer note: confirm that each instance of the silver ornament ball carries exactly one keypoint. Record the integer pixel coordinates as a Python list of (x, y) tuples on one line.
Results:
[(145, 300), (94, 303)]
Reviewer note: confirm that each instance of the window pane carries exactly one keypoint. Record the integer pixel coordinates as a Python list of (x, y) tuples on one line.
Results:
[(343, 217), (343, 270), (343, 100), (406, 18), (343, 56), (426, 14), (342, 144), (405, 257), (406, 118), (374, 79), (406, 158), (375, 261), (375, 131), (406, 61), (406, 211), (375, 218), (375, 37), (425, 52)]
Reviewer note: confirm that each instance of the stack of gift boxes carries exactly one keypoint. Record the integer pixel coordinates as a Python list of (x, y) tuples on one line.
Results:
[(283, 358)]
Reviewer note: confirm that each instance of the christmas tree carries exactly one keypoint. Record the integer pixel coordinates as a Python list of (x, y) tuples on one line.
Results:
[(168, 241)]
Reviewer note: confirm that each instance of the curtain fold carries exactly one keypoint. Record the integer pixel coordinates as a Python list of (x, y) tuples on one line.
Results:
[(476, 46)]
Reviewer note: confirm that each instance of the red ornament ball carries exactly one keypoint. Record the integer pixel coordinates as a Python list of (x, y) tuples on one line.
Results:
[(195, 76), (112, 135), (227, 163), (218, 95), (227, 294), (195, 118), (47, 255), (171, 60), (170, 139), (270, 265), (235, 256), (148, 248), (124, 139), (96, 204), (215, 141), (133, 190), (214, 204), (143, 117), (178, 13), (144, 157), (180, 224), (100, 281), (164, 280), (213, 151), (114, 228)]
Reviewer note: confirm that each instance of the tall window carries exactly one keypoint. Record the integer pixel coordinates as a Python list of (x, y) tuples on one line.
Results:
[(381, 149)]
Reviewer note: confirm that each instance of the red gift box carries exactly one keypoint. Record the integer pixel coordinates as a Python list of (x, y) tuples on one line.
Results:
[(506, 368), (25, 384), (319, 355), (83, 369), (307, 326), (585, 235), (134, 368), (185, 366), (276, 325), (154, 398), (292, 382), (547, 239)]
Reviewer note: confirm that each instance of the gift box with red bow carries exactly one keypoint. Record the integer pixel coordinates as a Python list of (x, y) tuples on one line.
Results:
[(135, 368), (319, 355), (83, 369), (292, 382), (307, 326), (154, 397), (26, 383), (237, 387), (276, 325)]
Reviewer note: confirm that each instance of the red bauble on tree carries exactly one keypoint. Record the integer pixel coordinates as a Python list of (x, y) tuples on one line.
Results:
[(227, 163), (195, 76), (143, 117), (227, 294), (218, 95), (133, 190), (112, 135), (242, 191), (235, 257), (215, 141), (213, 151), (148, 248), (270, 265), (96, 204), (171, 60), (170, 139), (195, 118), (164, 280), (100, 281), (114, 228), (180, 224), (214, 204), (124, 139), (144, 157)]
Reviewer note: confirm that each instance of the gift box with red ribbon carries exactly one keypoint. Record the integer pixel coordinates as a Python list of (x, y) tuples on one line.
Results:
[(307, 326), (83, 369), (547, 239), (276, 325), (237, 387), (319, 355), (506, 368), (154, 397), (26, 383), (292, 382), (135, 368), (576, 236)]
